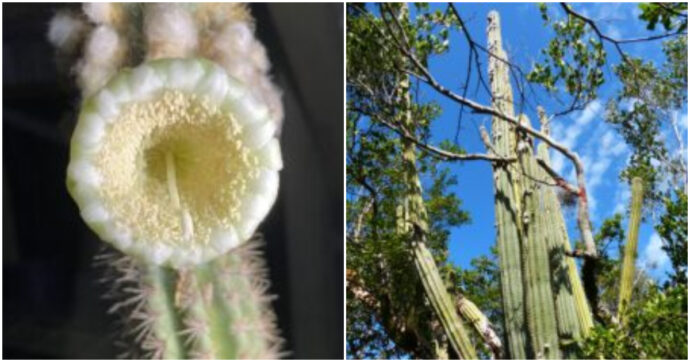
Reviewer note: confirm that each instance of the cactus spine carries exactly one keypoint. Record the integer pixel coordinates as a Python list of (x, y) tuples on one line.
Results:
[(628, 269), (507, 218)]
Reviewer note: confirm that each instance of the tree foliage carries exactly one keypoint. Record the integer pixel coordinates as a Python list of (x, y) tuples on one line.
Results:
[(656, 329)]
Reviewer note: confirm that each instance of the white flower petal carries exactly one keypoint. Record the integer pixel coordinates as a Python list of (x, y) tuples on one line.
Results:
[(224, 240), (145, 81), (90, 130), (245, 228), (184, 75), (81, 192), (257, 136), (94, 212), (214, 84), (267, 182), (270, 157), (249, 111), (84, 172), (236, 89), (122, 238), (120, 87), (159, 253), (106, 105)]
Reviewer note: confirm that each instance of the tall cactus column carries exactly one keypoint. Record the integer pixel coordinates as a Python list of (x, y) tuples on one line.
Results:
[(539, 300), (416, 224), (628, 270), (572, 310), (506, 204)]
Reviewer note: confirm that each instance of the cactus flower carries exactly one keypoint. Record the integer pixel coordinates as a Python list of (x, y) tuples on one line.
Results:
[(174, 161)]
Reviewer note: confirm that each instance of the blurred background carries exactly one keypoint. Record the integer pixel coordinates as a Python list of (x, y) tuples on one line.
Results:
[(52, 305)]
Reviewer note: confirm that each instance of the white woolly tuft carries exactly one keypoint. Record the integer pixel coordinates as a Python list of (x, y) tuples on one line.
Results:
[(103, 54), (170, 31), (103, 44), (99, 13), (66, 31), (244, 57)]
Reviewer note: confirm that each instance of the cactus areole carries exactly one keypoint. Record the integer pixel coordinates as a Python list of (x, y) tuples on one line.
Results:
[(174, 162)]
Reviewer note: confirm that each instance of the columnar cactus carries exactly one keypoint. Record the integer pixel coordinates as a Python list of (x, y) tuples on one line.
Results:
[(630, 254), (506, 201), (415, 224), (539, 300), (175, 164), (572, 310)]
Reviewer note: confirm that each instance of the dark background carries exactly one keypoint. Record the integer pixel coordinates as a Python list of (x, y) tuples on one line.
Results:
[(52, 305)]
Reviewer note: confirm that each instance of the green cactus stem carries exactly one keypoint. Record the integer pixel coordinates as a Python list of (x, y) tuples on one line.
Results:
[(569, 285), (471, 313), (441, 302), (506, 205), (630, 254), (168, 321), (435, 289), (572, 309), (539, 299), (415, 225)]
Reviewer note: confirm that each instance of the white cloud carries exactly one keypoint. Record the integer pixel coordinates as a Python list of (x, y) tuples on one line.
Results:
[(622, 199), (587, 115), (569, 136), (653, 257), (682, 120), (557, 162), (611, 145), (613, 32)]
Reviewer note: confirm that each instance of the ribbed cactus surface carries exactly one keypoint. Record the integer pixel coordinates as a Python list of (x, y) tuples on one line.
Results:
[(218, 310), (415, 224), (630, 254), (572, 310), (506, 204), (540, 311)]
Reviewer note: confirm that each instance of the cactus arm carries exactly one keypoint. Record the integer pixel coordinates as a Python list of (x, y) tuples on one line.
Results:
[(166, 319), (507, 219), (472, 314), (628, 270), (441, 302)]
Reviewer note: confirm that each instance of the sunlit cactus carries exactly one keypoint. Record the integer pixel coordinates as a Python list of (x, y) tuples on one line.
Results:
[(540, 312), (572, 309), (506, 200), (630, 253)]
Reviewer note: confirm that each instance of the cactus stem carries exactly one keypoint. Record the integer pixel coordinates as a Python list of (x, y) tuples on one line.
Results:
[(628, 269), (166, 320)]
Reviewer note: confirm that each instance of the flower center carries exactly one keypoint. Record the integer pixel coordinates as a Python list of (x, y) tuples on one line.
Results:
[(175, 168)]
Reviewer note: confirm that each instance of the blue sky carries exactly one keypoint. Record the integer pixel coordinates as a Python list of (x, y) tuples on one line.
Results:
[(602, 150)]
